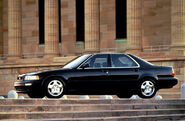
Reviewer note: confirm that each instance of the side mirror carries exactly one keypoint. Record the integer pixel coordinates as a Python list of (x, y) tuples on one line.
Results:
[(85, 66)]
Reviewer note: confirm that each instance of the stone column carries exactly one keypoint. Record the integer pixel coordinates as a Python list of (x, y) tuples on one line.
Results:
[(92, 26), (134, 25), (178, 24), (1, 28), (14, 28), (51, 28)]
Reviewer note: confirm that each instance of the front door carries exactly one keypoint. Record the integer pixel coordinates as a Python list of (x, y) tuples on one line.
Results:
[(92, 78)]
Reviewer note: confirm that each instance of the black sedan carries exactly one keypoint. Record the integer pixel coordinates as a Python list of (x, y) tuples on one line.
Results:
[(100, 73)]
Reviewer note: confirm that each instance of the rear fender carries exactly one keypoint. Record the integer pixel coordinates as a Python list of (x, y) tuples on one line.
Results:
[(148, 75)]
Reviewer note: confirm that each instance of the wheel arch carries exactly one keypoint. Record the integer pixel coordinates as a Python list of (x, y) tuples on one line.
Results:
[(53, 76), (150, 76)]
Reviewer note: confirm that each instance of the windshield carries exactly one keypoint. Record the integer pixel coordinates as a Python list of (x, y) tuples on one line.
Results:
[(77, 61)]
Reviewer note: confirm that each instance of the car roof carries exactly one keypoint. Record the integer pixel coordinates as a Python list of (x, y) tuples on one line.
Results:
[(108, 53)]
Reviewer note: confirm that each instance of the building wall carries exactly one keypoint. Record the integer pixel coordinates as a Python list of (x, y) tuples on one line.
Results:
[(68, 27), (1, 27), (30, 28), (156, 14), (5, 27), (156, 23), (107, 24)]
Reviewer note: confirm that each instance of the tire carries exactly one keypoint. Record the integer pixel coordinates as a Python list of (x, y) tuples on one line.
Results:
[(54, 88), (147, 88), (36, 94)]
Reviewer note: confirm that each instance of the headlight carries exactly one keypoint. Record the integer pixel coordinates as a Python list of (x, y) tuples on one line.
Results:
[(34, 77)]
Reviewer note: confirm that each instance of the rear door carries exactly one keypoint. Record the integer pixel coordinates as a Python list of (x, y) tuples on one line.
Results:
[(124, 72)]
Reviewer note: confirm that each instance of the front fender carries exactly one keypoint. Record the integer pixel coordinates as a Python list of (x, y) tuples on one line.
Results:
[(52, 76)]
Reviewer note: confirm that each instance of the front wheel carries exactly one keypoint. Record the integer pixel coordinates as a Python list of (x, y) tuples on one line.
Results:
[(54, 88), (147, 88)]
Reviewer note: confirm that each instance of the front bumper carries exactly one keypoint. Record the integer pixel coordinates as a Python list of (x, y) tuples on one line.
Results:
[(167, 82), (24, 86)]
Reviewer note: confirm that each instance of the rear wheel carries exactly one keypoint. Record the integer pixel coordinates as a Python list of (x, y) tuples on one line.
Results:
[(147, 88), (54, 88)]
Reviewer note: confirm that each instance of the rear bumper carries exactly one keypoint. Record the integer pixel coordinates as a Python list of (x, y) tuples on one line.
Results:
[(167, 82)]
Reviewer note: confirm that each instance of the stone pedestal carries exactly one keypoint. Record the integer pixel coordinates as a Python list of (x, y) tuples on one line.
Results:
[(183, 91), (92, 26), (14, 28), (51, 28), (134, 25), (178, 24)]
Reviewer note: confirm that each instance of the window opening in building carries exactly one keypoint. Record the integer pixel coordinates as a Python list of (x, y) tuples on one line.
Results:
[(41, 21), (60, 24), (121, 19), (80, 20)]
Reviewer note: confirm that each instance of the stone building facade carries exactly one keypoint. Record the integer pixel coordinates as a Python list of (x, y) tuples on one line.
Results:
[(44, 34)]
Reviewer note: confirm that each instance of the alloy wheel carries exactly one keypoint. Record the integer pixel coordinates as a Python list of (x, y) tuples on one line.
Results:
[(55, 88), (147, 88)]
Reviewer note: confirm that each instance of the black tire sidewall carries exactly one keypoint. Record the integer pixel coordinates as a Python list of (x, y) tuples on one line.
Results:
[(46, 87), (140, 92)]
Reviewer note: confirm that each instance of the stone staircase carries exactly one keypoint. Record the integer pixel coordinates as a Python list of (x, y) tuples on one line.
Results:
[(92, 110)]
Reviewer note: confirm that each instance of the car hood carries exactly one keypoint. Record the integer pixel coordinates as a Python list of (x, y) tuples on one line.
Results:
[(44, 71)]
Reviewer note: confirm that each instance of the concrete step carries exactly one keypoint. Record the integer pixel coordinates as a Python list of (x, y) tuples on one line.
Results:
[(87, 114), (88, 107), (92, 110), (59, 102), (169, 117)]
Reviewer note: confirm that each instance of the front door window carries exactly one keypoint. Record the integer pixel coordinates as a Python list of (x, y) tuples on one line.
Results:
[(98, 61)]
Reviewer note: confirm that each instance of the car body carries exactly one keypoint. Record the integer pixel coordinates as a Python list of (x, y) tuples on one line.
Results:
[(99, 73)]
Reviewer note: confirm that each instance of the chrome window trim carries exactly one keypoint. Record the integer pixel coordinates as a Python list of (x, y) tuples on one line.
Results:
[(85, 61), (134, 61), (138, 66)]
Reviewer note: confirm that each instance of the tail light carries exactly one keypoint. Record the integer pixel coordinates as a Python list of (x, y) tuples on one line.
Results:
[(173, 73)]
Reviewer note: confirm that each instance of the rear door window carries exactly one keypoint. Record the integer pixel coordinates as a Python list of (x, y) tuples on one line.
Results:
[(121, 60)]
